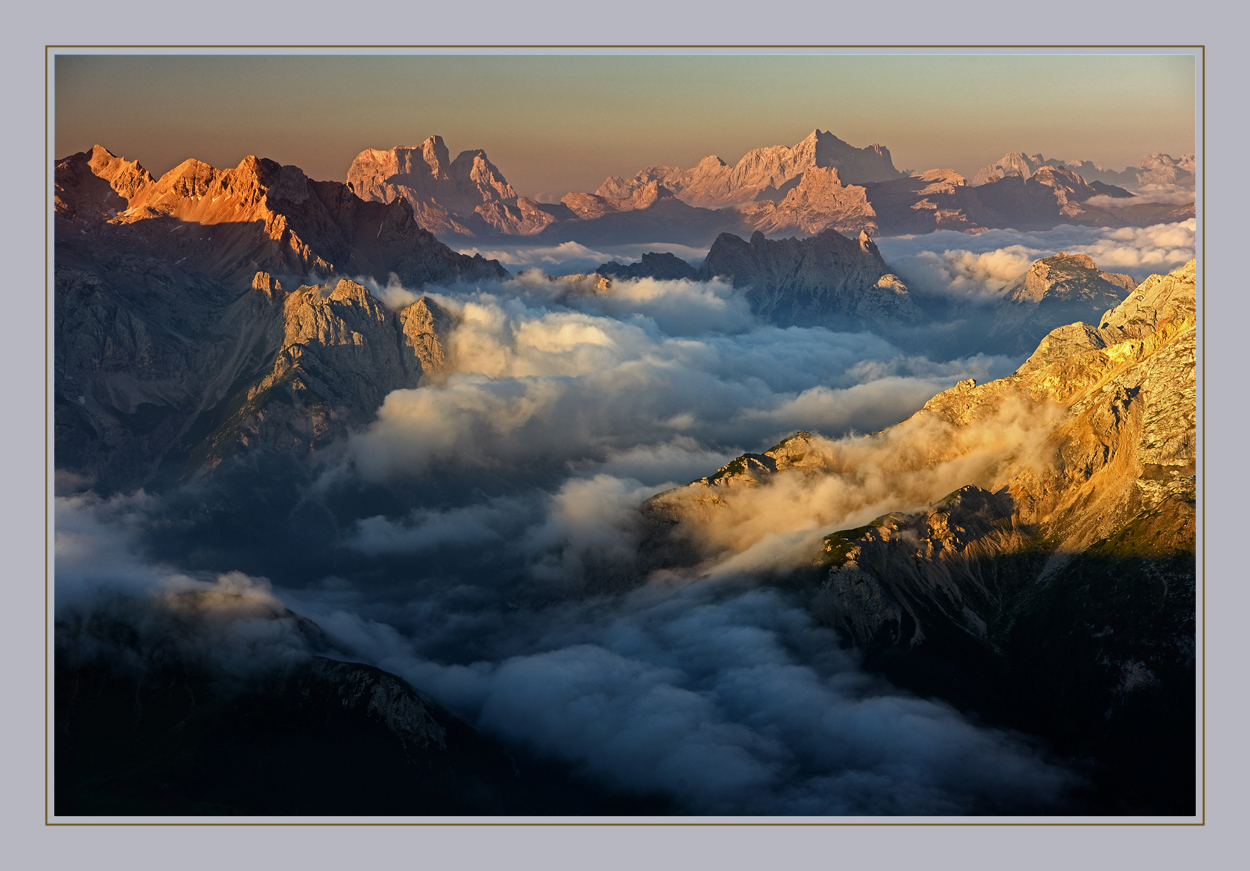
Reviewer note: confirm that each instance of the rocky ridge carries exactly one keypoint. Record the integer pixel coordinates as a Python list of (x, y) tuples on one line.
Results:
[(336, 353), (825, 279), (587, 207), (661, 266), (820, 183), (1117, 404), (284, 371), (764, 173)]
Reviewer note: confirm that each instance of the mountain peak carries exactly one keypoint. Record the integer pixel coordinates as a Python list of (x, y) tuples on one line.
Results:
[(100, 154), (460, 196), (1069, 276), (435, 153)]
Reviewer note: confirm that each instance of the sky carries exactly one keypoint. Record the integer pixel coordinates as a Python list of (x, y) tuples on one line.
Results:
[(553, 124)]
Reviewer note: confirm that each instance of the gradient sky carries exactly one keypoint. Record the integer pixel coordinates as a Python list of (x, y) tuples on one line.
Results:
[(558, 123)]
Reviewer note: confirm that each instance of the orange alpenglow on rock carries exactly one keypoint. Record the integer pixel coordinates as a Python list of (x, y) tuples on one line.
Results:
[(259, 216), (268, 285), (468, 195)]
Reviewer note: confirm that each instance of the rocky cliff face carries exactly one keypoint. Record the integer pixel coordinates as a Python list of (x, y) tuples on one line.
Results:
[(466, 196), (1123, 442), (283, 371), (820, 201), (827, 278), (338, 353)]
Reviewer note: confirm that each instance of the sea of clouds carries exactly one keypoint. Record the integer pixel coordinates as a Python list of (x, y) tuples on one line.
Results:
[(984, 266), (506, 582)]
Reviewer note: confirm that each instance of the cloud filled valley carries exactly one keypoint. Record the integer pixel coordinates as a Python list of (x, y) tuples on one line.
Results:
[(484, 535), (717, 697)]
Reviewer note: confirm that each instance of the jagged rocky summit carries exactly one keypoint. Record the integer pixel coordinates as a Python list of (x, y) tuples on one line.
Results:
[(466, 196), (826, 279)]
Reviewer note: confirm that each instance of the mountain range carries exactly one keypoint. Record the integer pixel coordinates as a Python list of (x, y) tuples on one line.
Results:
[(762, 174), (819, 183), (1153, 169), (210, 311)]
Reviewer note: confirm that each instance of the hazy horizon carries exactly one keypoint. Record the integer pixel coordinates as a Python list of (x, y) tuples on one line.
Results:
[(554, 124)]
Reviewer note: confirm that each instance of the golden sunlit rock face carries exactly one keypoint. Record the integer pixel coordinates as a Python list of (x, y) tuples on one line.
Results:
[(1091, 441)]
